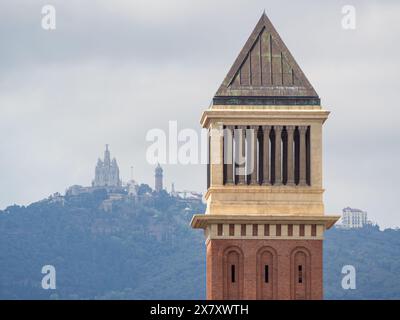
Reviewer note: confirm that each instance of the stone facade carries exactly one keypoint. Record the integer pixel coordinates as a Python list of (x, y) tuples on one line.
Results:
[(265, 218), (107, 172)]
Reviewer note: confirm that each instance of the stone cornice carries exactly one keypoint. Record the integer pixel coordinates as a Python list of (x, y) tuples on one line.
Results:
[(262, 116), (201, 221)]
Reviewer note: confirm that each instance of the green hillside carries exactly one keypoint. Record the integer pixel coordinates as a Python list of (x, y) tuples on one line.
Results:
[(145, 249)]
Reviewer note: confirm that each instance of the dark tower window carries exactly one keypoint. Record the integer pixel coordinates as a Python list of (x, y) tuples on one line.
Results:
[(233, 270), (300, 268), (278, 230), (231, 229), (266, 284), (296, 156), (266, 274), (220, 229), (313, 230), (255, 230), (243, 230), (284, 156), (266, 230)]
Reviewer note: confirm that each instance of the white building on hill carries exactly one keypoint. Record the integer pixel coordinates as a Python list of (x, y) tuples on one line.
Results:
[(353, 218)]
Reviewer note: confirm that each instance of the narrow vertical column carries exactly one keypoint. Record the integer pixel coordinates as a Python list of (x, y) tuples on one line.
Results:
[(265, 162), (243, 173), (302, 132), (254, 132), (290, 155), (315, 154), (216, 154), (208, 159), (278, 155), (240, 160), (228, 157)]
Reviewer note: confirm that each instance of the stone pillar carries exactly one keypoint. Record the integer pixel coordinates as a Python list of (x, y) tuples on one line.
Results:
[(253, 152), (216, 154), (228, 156), (278, 155), (265, 157), (290, 155), (303, 157), (315, 154), (240, 159)]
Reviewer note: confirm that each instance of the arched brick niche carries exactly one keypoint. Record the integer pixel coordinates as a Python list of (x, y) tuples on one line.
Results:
[(300, 273), (267, 273), (233, 273)]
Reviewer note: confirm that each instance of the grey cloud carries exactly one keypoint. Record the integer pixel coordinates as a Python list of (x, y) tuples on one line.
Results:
[(115, 69)]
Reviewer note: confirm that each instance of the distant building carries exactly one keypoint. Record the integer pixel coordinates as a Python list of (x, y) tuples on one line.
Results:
[(76, 190), (56, 198), (158, 178), (107, 179), (353, 218), (132, 186), (186, 195), (173, 192), (107, 172), (191, 196)]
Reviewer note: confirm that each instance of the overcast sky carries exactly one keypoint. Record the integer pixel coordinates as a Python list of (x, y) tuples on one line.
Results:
[(112, 70)]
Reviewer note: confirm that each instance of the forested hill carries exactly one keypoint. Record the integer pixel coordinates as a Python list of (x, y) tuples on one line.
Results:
[(145, 249), (375, 257)]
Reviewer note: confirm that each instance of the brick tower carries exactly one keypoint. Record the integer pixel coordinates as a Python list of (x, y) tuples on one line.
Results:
[(265, 220), (158, 178)]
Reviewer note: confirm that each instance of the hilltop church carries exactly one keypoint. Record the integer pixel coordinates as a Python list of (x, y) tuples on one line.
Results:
[(106, 172)]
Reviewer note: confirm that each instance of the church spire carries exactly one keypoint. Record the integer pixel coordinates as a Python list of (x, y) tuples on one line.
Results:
[(107, 159)]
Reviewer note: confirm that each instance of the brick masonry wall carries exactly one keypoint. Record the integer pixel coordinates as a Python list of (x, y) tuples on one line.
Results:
[(284, 274)]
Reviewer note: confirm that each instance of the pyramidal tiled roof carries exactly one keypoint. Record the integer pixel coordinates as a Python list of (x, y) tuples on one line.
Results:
[(265, 72)]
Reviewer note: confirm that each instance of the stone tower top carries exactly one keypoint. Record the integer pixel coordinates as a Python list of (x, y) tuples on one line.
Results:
[(107, 155), (265, 72)]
